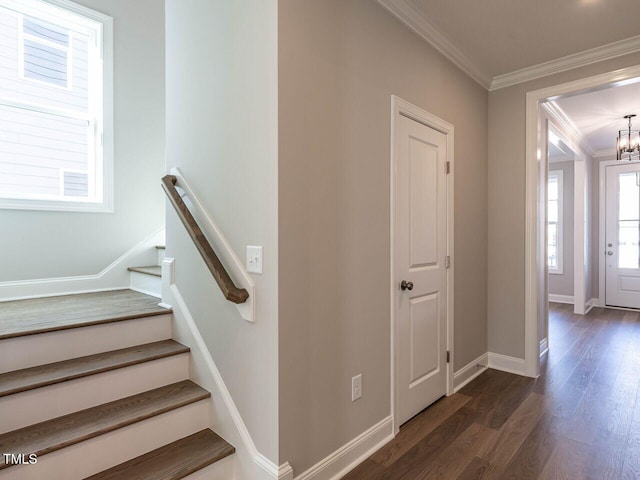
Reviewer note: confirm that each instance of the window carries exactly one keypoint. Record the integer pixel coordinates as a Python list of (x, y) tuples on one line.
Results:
[(554, 221), (55, 110)]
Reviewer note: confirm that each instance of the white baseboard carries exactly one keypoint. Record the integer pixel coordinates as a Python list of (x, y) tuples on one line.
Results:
[(228, 421), (544, 347), (506, 363), (113, 277), (350, 455), (594, 302), (470, 371), (561, 298)]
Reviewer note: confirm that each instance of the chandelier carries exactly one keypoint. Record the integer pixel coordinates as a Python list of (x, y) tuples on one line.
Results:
[(628, 143)]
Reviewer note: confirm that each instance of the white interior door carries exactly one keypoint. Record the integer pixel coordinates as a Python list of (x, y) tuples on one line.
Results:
[(622, 235), (420, 266)]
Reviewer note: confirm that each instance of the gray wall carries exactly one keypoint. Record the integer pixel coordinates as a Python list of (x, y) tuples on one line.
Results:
[(339, 63), (562, 284), (507, 203), (55, 244), (222, 133)]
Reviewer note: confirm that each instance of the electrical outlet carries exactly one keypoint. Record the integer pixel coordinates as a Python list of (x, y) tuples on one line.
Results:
[(356, 387)]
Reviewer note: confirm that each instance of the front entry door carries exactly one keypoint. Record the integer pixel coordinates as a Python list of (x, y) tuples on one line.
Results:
[(622, 235), (420, 265)]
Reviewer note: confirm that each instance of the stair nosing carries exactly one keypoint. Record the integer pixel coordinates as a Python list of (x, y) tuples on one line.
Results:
[(142, 270), (48, 425), (53, 380), (90, 323), (118, 471)]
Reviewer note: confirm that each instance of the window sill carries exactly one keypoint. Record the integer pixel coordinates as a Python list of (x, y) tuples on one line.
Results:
[(55, 205)]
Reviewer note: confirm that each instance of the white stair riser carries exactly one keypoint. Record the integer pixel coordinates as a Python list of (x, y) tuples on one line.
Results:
[(161, 252), (221, 470), (105, 451), (144, 283), (34, 406), (31, 350)]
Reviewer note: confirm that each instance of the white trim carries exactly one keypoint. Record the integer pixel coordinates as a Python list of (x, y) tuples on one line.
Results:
[(565, 125), (611, 153), (470, 371), (561, 298), (532, 237), (113, 277), (350, 455), (594, 302), (226, 253), (413, 18), (186, 331), (416, 21), (602, 233), (101, 156), (576, 60), (581, 223), (402, 107), (509, 364), (544, 347), (282, 472)]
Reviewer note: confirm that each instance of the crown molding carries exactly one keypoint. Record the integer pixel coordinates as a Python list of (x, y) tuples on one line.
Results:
[(606, 153), (416, 21), (594, 55), (567, 125)]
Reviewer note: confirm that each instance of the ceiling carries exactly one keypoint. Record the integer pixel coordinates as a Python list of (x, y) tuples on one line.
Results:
[(599, 115), (493, 39)]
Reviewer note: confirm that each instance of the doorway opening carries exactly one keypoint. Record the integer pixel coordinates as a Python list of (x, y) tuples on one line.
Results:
[(571, 112)]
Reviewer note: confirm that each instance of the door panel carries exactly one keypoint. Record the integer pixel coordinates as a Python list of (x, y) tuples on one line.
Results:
[(622, 235), (420, 251), (425, 350)]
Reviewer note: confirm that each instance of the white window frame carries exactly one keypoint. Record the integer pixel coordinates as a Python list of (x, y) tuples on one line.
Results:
[(103, 125), (559, 270)]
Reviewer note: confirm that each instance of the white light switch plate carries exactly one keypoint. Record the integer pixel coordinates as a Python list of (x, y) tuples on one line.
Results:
[(254, 259)]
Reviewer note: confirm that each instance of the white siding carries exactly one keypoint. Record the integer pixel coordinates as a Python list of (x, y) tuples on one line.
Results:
[(37, 148)]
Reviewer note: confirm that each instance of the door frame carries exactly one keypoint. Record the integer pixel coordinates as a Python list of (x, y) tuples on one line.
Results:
[(535, 282), (400, 107), (602, 215)]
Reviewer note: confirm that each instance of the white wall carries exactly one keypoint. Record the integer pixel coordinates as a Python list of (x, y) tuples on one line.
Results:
[(54, 244), (222, 126)]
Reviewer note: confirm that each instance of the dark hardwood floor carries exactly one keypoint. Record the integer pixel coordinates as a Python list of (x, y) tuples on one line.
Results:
[(579, 420)]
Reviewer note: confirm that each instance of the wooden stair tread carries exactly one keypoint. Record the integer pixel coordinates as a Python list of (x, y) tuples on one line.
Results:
[(173, 461), (57, 433), (154, 270), (42, 375), (39, 315)]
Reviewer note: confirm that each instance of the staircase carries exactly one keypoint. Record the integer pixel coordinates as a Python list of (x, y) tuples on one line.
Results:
[(93, 387), (148, 279)]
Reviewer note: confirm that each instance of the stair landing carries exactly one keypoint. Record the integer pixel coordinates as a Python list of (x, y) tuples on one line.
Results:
[(39, 315)]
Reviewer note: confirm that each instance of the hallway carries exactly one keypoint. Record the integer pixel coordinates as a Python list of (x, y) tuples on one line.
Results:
[(579, 420)]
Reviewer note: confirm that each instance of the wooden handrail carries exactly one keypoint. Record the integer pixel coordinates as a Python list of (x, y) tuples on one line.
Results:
[(229, 289)]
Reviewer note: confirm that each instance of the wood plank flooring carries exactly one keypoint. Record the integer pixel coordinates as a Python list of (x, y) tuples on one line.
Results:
[(38, 315), (579, 420)]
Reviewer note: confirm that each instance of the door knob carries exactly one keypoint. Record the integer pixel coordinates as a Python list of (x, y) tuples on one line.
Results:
[(609, 252), (404, 285)]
